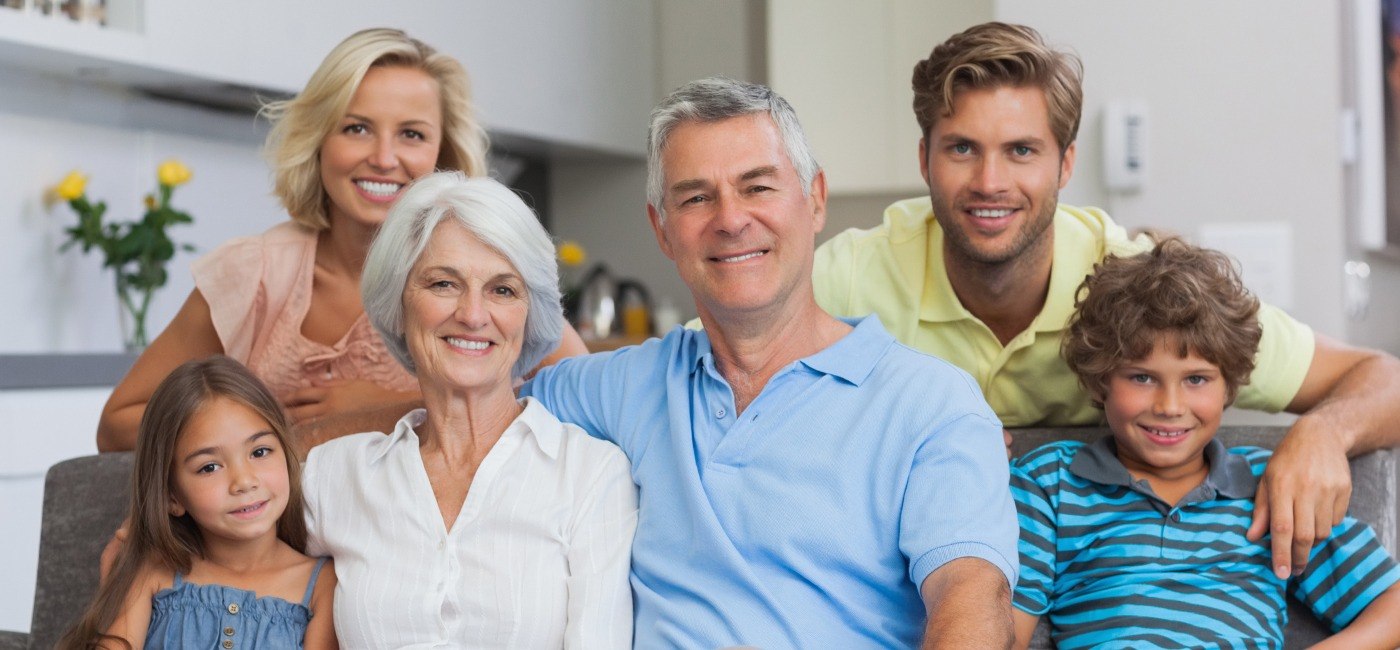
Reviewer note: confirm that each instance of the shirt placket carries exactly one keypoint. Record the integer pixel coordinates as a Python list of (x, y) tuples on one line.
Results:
[(230, 622)]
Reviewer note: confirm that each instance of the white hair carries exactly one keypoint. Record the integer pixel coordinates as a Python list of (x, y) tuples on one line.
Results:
[(719, 98), (494, 215)]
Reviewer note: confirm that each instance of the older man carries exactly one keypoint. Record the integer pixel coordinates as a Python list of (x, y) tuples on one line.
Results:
[(983, 272), (805, 481)]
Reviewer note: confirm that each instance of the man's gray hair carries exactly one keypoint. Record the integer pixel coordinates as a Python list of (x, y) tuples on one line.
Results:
[(719, 98), (494, 215)]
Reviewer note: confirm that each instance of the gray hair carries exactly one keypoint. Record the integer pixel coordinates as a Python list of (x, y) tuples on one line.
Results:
[(719, 98), (494, 215)]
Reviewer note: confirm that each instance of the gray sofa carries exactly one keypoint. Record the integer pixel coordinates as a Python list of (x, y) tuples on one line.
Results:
[(86, 498)]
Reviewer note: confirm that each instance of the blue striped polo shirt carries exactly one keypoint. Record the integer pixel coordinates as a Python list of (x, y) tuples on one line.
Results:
[(1111, 563)]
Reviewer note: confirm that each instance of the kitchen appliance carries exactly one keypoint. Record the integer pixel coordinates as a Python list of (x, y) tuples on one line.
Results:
[(606, 307)]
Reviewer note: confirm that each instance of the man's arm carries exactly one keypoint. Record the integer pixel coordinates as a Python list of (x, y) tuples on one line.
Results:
[(969, 606), (1349, 404)]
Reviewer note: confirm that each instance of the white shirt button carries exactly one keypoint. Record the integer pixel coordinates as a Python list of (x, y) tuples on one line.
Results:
[(719, 413)]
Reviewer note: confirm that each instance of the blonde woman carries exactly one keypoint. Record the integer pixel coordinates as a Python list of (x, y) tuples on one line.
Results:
[(381, 110)]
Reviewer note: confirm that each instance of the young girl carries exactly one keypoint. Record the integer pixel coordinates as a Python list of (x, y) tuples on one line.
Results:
[(213, 556)]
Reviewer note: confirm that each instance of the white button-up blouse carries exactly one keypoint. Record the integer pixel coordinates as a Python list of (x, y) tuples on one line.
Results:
[(538, 558)]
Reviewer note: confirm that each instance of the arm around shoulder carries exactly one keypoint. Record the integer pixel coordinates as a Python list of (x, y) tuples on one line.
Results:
[(189, 336), (1352, 391)]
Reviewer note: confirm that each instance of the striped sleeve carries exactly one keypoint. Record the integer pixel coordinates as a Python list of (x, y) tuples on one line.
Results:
[(1035, 481), (1346, 572)]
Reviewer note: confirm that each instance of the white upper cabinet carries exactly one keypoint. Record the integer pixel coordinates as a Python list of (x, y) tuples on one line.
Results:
[(846, 68), (575, 74)]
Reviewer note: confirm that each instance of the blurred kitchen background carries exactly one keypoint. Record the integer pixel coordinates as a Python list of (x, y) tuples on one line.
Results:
[(1256, 129)]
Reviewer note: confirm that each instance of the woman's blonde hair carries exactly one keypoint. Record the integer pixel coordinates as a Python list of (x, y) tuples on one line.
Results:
[(300, 124), (155, 536)]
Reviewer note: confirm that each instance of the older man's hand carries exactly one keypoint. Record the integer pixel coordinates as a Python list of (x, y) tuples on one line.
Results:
[(1304, 493)]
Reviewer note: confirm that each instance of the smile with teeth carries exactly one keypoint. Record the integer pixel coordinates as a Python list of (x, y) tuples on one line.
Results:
[(464, 344), (1165, 433), (741, 258), (378, 189), (250, 508), (991, 214)]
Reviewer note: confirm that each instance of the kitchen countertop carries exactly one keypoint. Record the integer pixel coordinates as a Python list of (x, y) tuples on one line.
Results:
[(21, 371)]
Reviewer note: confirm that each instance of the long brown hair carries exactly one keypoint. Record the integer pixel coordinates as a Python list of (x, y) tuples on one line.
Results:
[(155, 535)]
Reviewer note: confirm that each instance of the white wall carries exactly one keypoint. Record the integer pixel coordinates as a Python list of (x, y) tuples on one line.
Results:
[(1244, 102), (50, 126)]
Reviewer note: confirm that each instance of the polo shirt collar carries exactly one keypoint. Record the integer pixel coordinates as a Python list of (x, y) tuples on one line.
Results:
[(1070, 266), (851, 358), (1229, 474), (541, 426)]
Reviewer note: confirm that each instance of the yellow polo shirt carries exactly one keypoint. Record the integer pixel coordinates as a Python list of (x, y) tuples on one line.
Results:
[(896, 270)]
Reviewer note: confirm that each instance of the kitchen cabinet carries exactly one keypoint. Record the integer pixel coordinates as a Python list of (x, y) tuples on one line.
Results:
[(570, 75), (845, 67)]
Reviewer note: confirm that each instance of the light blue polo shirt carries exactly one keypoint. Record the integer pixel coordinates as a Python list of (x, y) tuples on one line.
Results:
[(811, 519)]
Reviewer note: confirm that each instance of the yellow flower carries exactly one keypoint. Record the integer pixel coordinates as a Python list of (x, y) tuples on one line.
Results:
[(72, 187), (571, 254), (173, 172)]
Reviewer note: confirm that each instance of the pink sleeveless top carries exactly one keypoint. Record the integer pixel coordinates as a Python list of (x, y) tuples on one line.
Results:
[(259, 290)]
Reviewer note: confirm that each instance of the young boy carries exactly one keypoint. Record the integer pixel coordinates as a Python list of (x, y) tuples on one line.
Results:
[(1138, 540)]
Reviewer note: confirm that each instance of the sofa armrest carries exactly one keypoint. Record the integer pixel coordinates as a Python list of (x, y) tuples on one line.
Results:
[(13, 640)]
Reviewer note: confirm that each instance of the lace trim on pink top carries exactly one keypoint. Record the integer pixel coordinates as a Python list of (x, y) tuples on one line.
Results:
[(259, 291)]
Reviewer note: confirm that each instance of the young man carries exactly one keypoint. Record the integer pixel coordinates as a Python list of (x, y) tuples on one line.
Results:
[(982, 272), (1139, 538)]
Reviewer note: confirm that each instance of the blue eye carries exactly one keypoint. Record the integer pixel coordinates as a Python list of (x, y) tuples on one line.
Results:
[(1197, 380), (1022, 150), (962, 148)]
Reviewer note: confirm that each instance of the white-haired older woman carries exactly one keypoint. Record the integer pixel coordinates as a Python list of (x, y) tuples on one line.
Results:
[(480, 521)]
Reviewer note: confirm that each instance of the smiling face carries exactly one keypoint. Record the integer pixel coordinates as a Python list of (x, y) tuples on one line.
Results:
[(464, 313), (1163, 410), (390, 135), (994, 172), (229, 473), (738, 225)]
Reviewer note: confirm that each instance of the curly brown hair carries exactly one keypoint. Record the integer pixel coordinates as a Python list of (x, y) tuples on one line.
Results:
[(1193, 295), (992, 55)]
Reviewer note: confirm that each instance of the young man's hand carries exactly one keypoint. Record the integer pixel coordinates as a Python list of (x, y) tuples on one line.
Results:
[(1304, 493)]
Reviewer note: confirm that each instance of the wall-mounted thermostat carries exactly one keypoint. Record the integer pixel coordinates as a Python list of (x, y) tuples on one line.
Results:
[(1125, 145)]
